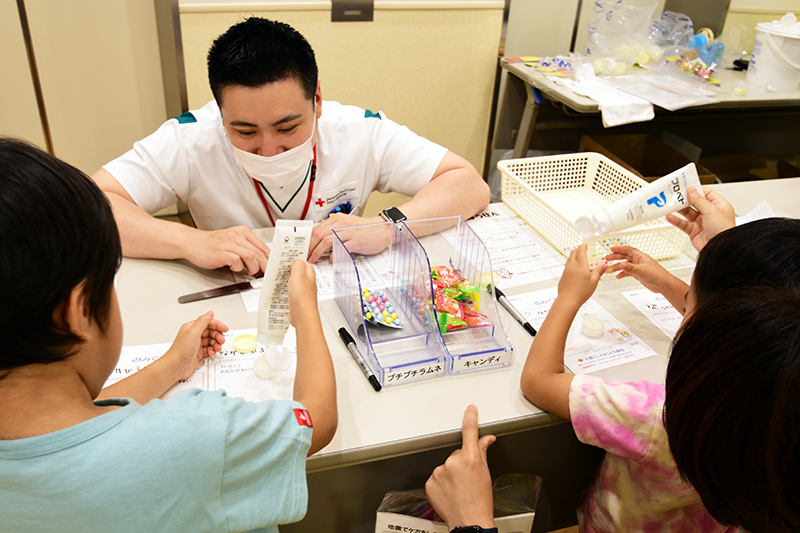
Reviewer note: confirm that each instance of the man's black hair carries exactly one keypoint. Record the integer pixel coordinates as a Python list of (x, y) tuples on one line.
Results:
[(258, 51), (57, 231)]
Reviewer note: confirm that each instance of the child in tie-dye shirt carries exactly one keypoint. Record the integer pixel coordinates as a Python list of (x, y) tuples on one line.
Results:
[(638, 487)]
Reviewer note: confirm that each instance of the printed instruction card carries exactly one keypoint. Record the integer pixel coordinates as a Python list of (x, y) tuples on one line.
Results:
[(519, 254), (229, 370), (657, 309), (585, 354)]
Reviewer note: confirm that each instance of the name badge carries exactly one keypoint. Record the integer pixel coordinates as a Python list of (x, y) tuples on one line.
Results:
[(326, 201)]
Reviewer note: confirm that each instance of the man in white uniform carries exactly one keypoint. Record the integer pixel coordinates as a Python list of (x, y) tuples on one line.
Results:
[(267, 148)]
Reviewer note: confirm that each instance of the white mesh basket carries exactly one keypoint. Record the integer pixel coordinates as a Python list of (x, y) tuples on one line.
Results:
[(550, 192)]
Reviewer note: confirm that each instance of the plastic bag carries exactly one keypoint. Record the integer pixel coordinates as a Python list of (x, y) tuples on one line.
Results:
[(513, 494), (670, 33), (738, 40), (619, 34)]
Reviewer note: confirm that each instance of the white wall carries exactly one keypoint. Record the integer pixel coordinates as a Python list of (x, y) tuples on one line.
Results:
[(428, 65), (19, 114), (100, 71)]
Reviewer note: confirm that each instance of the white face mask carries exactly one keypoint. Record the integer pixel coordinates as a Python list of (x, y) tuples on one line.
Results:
[(281, 172)]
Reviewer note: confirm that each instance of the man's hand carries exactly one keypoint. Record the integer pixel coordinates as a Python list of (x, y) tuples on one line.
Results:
[(578, 283), (460, 490), (237, 247), (195, 341), (705, 218), (368, 243)]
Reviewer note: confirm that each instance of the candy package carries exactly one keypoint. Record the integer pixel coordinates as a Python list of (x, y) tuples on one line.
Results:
[(456, 301)]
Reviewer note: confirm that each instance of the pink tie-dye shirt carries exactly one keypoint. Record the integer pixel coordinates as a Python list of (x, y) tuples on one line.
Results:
[(637, 487)]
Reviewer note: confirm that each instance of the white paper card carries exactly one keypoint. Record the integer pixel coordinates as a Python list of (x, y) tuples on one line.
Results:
[(657, 309), (228, 370), (585, 354), (519, 255)]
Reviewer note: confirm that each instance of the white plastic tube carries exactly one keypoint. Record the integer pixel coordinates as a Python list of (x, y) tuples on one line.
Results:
[(665, 195), (289, 243)]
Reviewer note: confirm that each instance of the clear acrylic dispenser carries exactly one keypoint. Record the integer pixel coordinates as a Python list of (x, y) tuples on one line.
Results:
[(450, 242), (393, 263), (397, 259)]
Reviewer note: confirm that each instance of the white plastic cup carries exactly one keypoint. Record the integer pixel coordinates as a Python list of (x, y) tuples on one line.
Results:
[(273, 361), (775, 61)]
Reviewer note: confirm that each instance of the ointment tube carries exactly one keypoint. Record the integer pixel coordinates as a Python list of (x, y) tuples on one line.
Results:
[(289, 243), (661, 197)]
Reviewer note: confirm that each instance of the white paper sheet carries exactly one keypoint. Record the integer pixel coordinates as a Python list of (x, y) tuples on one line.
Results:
[(228, 370), (371, 276), (585, 354), (657, 309), (519, 254)]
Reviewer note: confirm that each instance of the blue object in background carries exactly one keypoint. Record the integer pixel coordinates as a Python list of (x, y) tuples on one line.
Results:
[(344, 208)]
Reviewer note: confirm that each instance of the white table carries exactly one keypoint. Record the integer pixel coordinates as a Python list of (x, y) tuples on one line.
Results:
[(730, 126), (392, 439)]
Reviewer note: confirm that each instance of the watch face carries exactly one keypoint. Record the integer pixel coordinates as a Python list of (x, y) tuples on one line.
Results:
[(393, 215)]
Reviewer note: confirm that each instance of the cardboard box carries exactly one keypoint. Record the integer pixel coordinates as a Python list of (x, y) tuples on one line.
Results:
[(397, 523), (782, 169), (647, 156), (733, 167)]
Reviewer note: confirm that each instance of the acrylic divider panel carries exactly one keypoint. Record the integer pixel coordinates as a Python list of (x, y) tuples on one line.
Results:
[(473, 336), (395, 354)]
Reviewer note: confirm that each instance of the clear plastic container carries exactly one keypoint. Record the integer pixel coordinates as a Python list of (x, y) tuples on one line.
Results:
[(476, 347), (395, 355), (403, 255)]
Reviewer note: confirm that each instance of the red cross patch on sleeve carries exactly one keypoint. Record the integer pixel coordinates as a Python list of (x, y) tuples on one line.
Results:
[(303, 418)]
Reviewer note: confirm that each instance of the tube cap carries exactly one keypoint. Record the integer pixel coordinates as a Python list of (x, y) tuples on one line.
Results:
[(603, 223), (585, 226)]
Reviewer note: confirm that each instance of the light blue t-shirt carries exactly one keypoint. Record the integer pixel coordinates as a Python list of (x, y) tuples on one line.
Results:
[(200, 462)]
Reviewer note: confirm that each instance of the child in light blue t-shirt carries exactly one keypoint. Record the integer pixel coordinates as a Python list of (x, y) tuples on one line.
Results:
[(76, 457)]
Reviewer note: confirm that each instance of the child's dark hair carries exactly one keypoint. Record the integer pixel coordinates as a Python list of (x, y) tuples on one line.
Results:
[(763, 252), (257, 51), (732, 411), (57, 231)]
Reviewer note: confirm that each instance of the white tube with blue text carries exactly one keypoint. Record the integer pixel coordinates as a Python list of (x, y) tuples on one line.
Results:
[(661, 197), (290, 242)]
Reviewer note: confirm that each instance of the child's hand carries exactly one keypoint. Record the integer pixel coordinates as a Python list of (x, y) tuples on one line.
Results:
[(302, 290), (577, 283), (195, 341), (705, 218), (639, 265)]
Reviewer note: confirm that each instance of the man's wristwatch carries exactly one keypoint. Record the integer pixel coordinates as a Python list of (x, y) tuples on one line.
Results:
[(393, 214), (473, 529)]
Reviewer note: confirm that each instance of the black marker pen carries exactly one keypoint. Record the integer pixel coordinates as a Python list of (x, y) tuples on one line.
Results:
[(516, 314), (351, 346)]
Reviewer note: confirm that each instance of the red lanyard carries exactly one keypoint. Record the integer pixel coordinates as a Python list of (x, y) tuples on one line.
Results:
[(308, 198)]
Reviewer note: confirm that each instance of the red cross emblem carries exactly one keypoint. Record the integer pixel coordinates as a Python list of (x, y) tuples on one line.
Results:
[(320, 202), (303, 418)]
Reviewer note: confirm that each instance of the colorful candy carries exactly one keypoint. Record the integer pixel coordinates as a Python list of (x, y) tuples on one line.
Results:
[(456, 301), (378, 310)]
